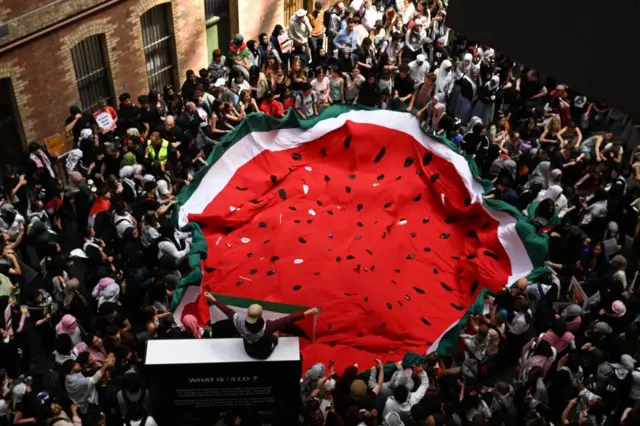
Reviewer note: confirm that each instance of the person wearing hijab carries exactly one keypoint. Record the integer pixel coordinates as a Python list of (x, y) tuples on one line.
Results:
[(444, 79), (312, 375), (107, 290), (501, 167), (128, 173), (68, 325), (191, 326), (469, 84), (554, 193), (541, 175), (485, 105)]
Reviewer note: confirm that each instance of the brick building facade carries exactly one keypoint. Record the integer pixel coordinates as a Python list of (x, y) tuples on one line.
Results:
[(39, 79)]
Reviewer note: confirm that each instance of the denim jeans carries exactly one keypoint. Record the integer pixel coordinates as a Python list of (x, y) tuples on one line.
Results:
[(315, 43)]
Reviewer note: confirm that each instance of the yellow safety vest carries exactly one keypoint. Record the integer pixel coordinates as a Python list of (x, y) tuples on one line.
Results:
[(162, 155)]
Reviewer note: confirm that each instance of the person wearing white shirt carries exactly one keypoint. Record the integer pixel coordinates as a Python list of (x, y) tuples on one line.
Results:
[(369, 15), (418, 69), (402, 400), (406, 9)]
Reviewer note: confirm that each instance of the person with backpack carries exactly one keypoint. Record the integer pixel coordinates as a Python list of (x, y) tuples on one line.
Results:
[(306, 102), (332, 18), (138, 417), (133, 397)]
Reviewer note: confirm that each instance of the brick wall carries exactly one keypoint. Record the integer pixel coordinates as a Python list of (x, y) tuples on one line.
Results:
[(42, 71), (10, 9)]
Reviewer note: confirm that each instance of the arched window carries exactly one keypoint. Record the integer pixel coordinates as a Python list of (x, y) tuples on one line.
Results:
[(93, 76), (159, 47)]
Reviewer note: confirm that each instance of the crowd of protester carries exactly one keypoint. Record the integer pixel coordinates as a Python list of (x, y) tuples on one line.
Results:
[(88, 268)]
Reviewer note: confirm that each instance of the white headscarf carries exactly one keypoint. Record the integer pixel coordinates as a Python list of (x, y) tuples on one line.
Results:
[(552, 193), (494, 83), (72, 159), (444, 78)]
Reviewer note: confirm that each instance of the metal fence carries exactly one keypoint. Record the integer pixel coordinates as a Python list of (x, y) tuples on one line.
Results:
[(93, 77), (159, 47)]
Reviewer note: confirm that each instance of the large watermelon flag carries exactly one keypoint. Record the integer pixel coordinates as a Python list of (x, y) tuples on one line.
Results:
[(356, 211)]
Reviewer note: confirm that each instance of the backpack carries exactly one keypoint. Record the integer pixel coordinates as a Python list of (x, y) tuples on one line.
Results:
[(136, 406), (326, 18), (53, 421), (471, 369), (143, 422)]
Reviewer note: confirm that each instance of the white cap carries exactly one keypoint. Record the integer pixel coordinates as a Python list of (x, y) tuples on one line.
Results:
[(421, 58), (301, 13), (163, 187), (148, 178)]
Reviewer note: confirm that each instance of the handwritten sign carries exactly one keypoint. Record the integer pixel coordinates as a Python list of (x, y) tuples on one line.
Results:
[(55, 144)]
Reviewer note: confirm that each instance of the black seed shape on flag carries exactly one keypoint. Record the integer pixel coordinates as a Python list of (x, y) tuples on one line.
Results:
[(352, 176), (426, 158), (399, 302), (360, 207), (410, 256), (297, 287), (248, 255), (471, 256), (275, 258), (350, 257), (330, 212), (262, 225), (360, 224), (329, 326), (434, 177), (319, 203), (331, 236), (347, 294), (271, 272), (389, 306), (455, 257), (207, 287), (265, 242), (358, 267), (398, 270), (474, 287), (360, 334), (256, 201), (213, 269), (450, 220), (486, 225), (444, 236), (239, 283), (381, 154), (389, 227), (302, 240), (274, 178), (424, 321), (473, 234), (384, 235), (296, 220), (347, 141), (425, 220), (338, 259), (373, 268), (309, 220), (348, 189), (292, 208), (435, 271), (282, 193), (369, 251), (357, 237), (383, 325), (380, 177), (457, 307), (408, 161), (239, 188), (386, 206), (323, 152), (467, 201), (418, 290), (427, 249), (327, 178), (317, 274), (398, 177), (417, 197), (296, 156), (406, 296), (366, 298), (290, 170), (446, 287), (394, 281), (413, 234), (253, 271), (490, 254)]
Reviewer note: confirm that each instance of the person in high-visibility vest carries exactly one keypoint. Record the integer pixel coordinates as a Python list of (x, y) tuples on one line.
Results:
[(158, 148)]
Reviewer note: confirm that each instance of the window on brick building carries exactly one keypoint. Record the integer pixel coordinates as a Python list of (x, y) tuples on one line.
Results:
[(93, 76), (159, 47)]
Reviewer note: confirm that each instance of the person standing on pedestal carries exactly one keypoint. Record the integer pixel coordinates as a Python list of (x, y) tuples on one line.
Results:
[(258, 335)]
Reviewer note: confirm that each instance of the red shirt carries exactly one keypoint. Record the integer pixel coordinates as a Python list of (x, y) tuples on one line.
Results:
[(288, 103), (273, 108)]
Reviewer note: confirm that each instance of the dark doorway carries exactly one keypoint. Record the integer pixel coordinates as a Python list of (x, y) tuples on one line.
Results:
[(10, 127)]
